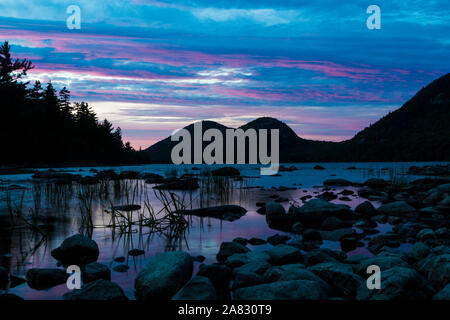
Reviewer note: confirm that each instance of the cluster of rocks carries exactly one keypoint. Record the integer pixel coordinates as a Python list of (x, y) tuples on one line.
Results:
[(185, 182), (430, 170), (286, 272)]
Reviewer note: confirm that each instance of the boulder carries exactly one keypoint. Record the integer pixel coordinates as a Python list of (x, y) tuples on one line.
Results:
[(426, 234), (220, 277), (339, 276), (127, 207), (438, 271), (398, 283), (285, 254), (274, 208), (94, 271), (294, 271), (163, 276), (198, 288), (384, 260), (257, 241), (246, 279), (331, 223), (225, 212), (227, 249), (396, 208), (282, 290), (366, 208), (42, 279), (318, 256), (337, 234), (444, 294), (178, 184), (136, 252), (337, 182), (258, 267), (151, 178), (121, 268), (97, 290), (278, 239), (76, 250), (311, 235), (375, 183), (239, 259)]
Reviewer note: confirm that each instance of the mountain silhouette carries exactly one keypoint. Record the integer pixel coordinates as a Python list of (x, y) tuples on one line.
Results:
[(418, 131)]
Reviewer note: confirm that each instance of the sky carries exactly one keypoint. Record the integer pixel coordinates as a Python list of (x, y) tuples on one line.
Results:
[(152, 66)]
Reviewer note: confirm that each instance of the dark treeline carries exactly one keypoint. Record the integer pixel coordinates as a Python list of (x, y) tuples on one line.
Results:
[(40, 125)]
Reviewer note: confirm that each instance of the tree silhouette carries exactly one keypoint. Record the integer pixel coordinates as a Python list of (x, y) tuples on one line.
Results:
[(42, 126)]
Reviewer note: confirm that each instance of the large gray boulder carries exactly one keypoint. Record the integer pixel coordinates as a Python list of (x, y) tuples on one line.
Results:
[(97, 290), (76, 250), (198, 288), (397, 283), (282, 290), (163, 276)]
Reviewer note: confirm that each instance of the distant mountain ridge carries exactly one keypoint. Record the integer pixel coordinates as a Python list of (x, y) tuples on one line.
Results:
[(418, 131)]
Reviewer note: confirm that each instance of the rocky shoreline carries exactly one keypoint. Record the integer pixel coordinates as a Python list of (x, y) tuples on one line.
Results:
[(288, 268)]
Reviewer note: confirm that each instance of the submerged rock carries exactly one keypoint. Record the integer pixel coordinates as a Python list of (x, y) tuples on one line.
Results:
[(337, 182), (163, 276), (179, 184), (225, 212), (77, 249), (136, 252), (198, 288), (128, 207), (42, 279), (282, 290), (97, 290)]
